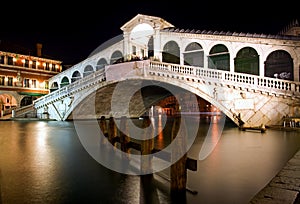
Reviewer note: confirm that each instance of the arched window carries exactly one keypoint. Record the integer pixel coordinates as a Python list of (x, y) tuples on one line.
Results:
[(247, 61), (116, 57), (279, 64), (54, 86), (171, 53), (88, 70), (75, 76), (194, 55), (64, 82), (219, 58), (101, 64)]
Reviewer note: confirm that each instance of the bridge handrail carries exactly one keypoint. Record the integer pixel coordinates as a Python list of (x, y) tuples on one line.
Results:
[(270, 85), (226, 78), (72, 87), (24, 109)]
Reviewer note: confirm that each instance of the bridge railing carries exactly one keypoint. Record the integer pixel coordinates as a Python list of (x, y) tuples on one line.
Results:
[(197, 74), (246, 81), (71, 88)]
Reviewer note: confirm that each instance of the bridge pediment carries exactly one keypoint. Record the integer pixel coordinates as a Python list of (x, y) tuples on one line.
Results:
[(153, 21)]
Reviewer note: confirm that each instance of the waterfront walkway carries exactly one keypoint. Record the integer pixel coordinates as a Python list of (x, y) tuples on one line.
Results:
[(284, 188)]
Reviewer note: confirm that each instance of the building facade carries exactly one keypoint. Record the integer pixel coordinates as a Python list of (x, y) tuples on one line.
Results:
[(24, 77)]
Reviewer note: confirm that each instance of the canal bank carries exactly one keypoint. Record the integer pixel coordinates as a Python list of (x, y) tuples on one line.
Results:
[(284, 188)]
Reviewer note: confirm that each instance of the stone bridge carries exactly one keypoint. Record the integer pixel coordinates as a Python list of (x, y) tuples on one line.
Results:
[(252, 78), (256, 100)]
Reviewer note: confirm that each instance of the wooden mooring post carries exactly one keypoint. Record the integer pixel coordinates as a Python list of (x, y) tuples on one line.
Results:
[(103, 126), (147, 146), (178, 168), (124, 135), (178, 156), (112, 131)]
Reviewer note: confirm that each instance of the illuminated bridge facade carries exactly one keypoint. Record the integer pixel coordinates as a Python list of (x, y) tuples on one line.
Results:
[(253, 78)]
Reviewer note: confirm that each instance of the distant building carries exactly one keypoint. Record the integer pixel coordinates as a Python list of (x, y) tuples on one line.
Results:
[(23, 77)]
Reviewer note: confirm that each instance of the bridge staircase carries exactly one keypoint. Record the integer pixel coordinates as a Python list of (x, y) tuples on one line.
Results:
[(28, 111)]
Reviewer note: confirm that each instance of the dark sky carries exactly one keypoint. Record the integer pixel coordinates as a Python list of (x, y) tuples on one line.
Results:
[(70, 31)]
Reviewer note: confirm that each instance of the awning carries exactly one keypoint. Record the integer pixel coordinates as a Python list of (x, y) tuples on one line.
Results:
[(31, 94)]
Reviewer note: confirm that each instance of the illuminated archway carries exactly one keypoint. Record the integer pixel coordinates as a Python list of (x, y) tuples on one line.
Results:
[(247, 61), (279, 64)]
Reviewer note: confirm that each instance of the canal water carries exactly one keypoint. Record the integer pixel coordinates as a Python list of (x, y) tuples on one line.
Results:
[(45, 162)]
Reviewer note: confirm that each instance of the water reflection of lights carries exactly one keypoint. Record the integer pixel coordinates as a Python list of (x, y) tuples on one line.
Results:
[(42, 136), (42, 157), (213, 136), (131, 189), (160, 137)]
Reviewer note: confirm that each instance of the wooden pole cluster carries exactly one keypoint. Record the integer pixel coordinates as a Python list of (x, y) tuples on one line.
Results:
[(178, 156)]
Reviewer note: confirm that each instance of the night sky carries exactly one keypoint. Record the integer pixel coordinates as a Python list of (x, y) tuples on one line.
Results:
[(70, 31)]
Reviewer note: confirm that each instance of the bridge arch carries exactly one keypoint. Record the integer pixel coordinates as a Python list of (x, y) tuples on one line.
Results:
[(109, 86), (116, 57), (279, 64), (139, 38), (193, 55), (64, 81), (171, 52), (54, 86), (101, 64), (247, 61), (88, 69), (75, 76), (219, 57)]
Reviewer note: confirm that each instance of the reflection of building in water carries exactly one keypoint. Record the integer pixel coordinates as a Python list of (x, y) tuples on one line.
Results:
[(23, 77), (170, 104)]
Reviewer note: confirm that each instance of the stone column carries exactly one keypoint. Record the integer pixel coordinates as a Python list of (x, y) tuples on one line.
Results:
[(157, 44), (126, 45)]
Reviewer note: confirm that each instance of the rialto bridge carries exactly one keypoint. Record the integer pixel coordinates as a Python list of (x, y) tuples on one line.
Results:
[(253, 78)]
